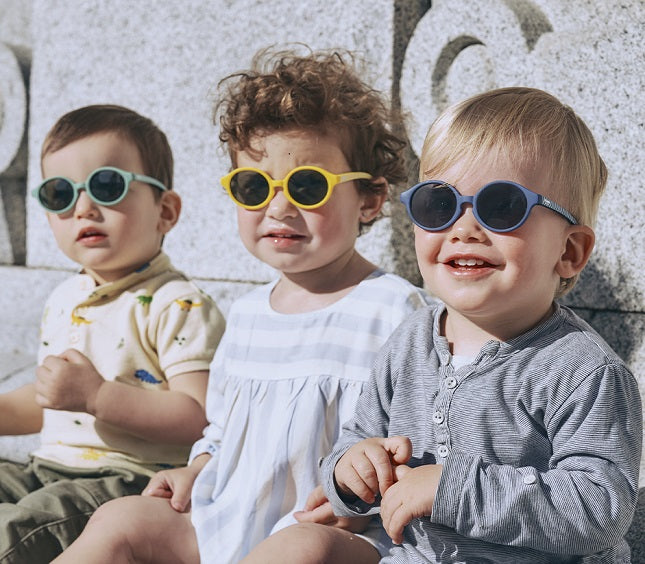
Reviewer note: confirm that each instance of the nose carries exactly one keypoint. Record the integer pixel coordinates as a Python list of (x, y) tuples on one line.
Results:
[(467, 228), (85, 206), (280, 207)]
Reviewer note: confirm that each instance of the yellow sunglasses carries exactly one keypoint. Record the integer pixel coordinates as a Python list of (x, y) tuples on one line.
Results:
[(307, 187)]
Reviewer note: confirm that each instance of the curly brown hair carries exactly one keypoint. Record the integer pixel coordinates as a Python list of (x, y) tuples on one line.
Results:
[(319, 91)]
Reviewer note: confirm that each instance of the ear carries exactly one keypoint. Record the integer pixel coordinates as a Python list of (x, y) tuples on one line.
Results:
[(170, 210), (578, 246), (373, 201)]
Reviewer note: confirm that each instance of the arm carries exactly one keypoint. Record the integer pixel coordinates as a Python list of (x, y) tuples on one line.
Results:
[(70, 382), (582, 502), (21, 414), (178, 413)]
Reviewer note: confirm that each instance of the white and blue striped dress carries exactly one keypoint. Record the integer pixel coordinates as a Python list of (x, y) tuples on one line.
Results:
[(280, 388)]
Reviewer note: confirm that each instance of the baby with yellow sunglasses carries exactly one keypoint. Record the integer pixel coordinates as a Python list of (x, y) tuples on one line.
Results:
[(311, 167)]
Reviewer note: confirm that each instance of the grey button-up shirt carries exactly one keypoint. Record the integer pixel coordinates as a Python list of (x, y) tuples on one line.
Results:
[(539, 437)]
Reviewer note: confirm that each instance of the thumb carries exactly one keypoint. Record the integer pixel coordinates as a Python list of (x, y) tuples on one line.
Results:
[(180, 500), (400, 448)]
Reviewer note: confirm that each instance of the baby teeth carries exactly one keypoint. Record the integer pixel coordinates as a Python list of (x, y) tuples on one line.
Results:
[(469, 262)]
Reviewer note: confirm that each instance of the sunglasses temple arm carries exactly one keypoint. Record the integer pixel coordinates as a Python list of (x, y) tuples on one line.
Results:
[(558, 209)]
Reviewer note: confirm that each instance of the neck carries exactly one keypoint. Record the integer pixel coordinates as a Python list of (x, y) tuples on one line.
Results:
[(316, 289), (467, 335)]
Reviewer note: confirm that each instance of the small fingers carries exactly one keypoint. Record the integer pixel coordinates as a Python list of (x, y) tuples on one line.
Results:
[(397, 522), (400, 448), (361, 482), (323, 515), (316, 497)]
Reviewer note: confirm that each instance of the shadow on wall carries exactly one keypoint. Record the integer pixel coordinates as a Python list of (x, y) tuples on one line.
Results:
[(622, 331)]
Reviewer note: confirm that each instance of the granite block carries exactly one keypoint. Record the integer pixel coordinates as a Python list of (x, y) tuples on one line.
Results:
[(166, 64), (560, 48)]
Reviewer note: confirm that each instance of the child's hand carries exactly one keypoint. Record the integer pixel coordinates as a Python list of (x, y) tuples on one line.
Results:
[(367, 468), (412, 496), (176, 484), (68, 381), (318, 510)]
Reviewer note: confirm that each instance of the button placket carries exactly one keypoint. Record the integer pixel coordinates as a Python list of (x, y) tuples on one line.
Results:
[(441, 406)]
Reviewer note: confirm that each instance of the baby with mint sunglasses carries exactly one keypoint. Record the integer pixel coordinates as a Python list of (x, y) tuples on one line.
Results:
[(125, 343)]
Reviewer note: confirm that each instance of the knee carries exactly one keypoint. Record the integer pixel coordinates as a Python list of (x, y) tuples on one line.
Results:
[(118, 519), (307, 543)]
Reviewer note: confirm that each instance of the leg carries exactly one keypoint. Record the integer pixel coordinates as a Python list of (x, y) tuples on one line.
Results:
[(42, 523), (310, 543), (135, 529)]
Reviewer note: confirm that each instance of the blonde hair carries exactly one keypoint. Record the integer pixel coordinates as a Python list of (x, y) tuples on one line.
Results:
[(531, 128)]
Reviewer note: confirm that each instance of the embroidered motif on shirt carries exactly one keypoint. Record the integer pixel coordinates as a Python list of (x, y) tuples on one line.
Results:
[(91, 454), (187, 305), (144, 300), (79, 319), (145, 376)]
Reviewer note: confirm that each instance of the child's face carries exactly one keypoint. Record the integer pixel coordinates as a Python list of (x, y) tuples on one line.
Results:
[(286, 237), (504, 282), (109, 242)]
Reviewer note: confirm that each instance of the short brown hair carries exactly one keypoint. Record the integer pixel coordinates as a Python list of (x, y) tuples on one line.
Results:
[(153, 146), (317, 91), (531, 127)]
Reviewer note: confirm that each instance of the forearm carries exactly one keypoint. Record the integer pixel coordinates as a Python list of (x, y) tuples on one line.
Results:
[(558, 510), (178, 418), (21, 415)]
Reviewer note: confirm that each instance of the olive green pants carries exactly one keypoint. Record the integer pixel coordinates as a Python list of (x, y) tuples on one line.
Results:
[(44, 506)]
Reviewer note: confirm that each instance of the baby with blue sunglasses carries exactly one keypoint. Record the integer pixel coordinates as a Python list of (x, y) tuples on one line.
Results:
[(497, 426), (126, 342), (310, 169)]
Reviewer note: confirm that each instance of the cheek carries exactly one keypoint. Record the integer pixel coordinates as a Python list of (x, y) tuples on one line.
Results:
[(426, 246), (57, 227), (247, 223)]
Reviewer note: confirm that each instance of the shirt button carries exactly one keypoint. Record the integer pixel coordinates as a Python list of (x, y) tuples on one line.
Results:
[(74, 338), (438, 417), (443, 451), (451, 382), (529, 479)]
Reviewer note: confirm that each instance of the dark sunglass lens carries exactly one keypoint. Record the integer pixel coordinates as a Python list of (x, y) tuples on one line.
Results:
[(308, 187), (501, 206), (56, 194), (106, 186), (432, 206), (249, 188)]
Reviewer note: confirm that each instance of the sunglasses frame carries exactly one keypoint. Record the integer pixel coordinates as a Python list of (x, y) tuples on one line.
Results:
[(128, 177), (332, 181), (532, 199)]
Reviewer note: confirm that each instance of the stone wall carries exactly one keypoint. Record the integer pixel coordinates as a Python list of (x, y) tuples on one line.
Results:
[(164, 58)]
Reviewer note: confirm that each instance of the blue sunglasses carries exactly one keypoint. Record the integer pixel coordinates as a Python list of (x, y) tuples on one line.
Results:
[(106, 186), (499, 206)]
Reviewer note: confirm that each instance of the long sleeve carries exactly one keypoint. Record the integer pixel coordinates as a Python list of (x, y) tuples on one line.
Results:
[(539, 437)]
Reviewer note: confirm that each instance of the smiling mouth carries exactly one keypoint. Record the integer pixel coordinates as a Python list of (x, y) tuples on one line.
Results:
[(471, 262)]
